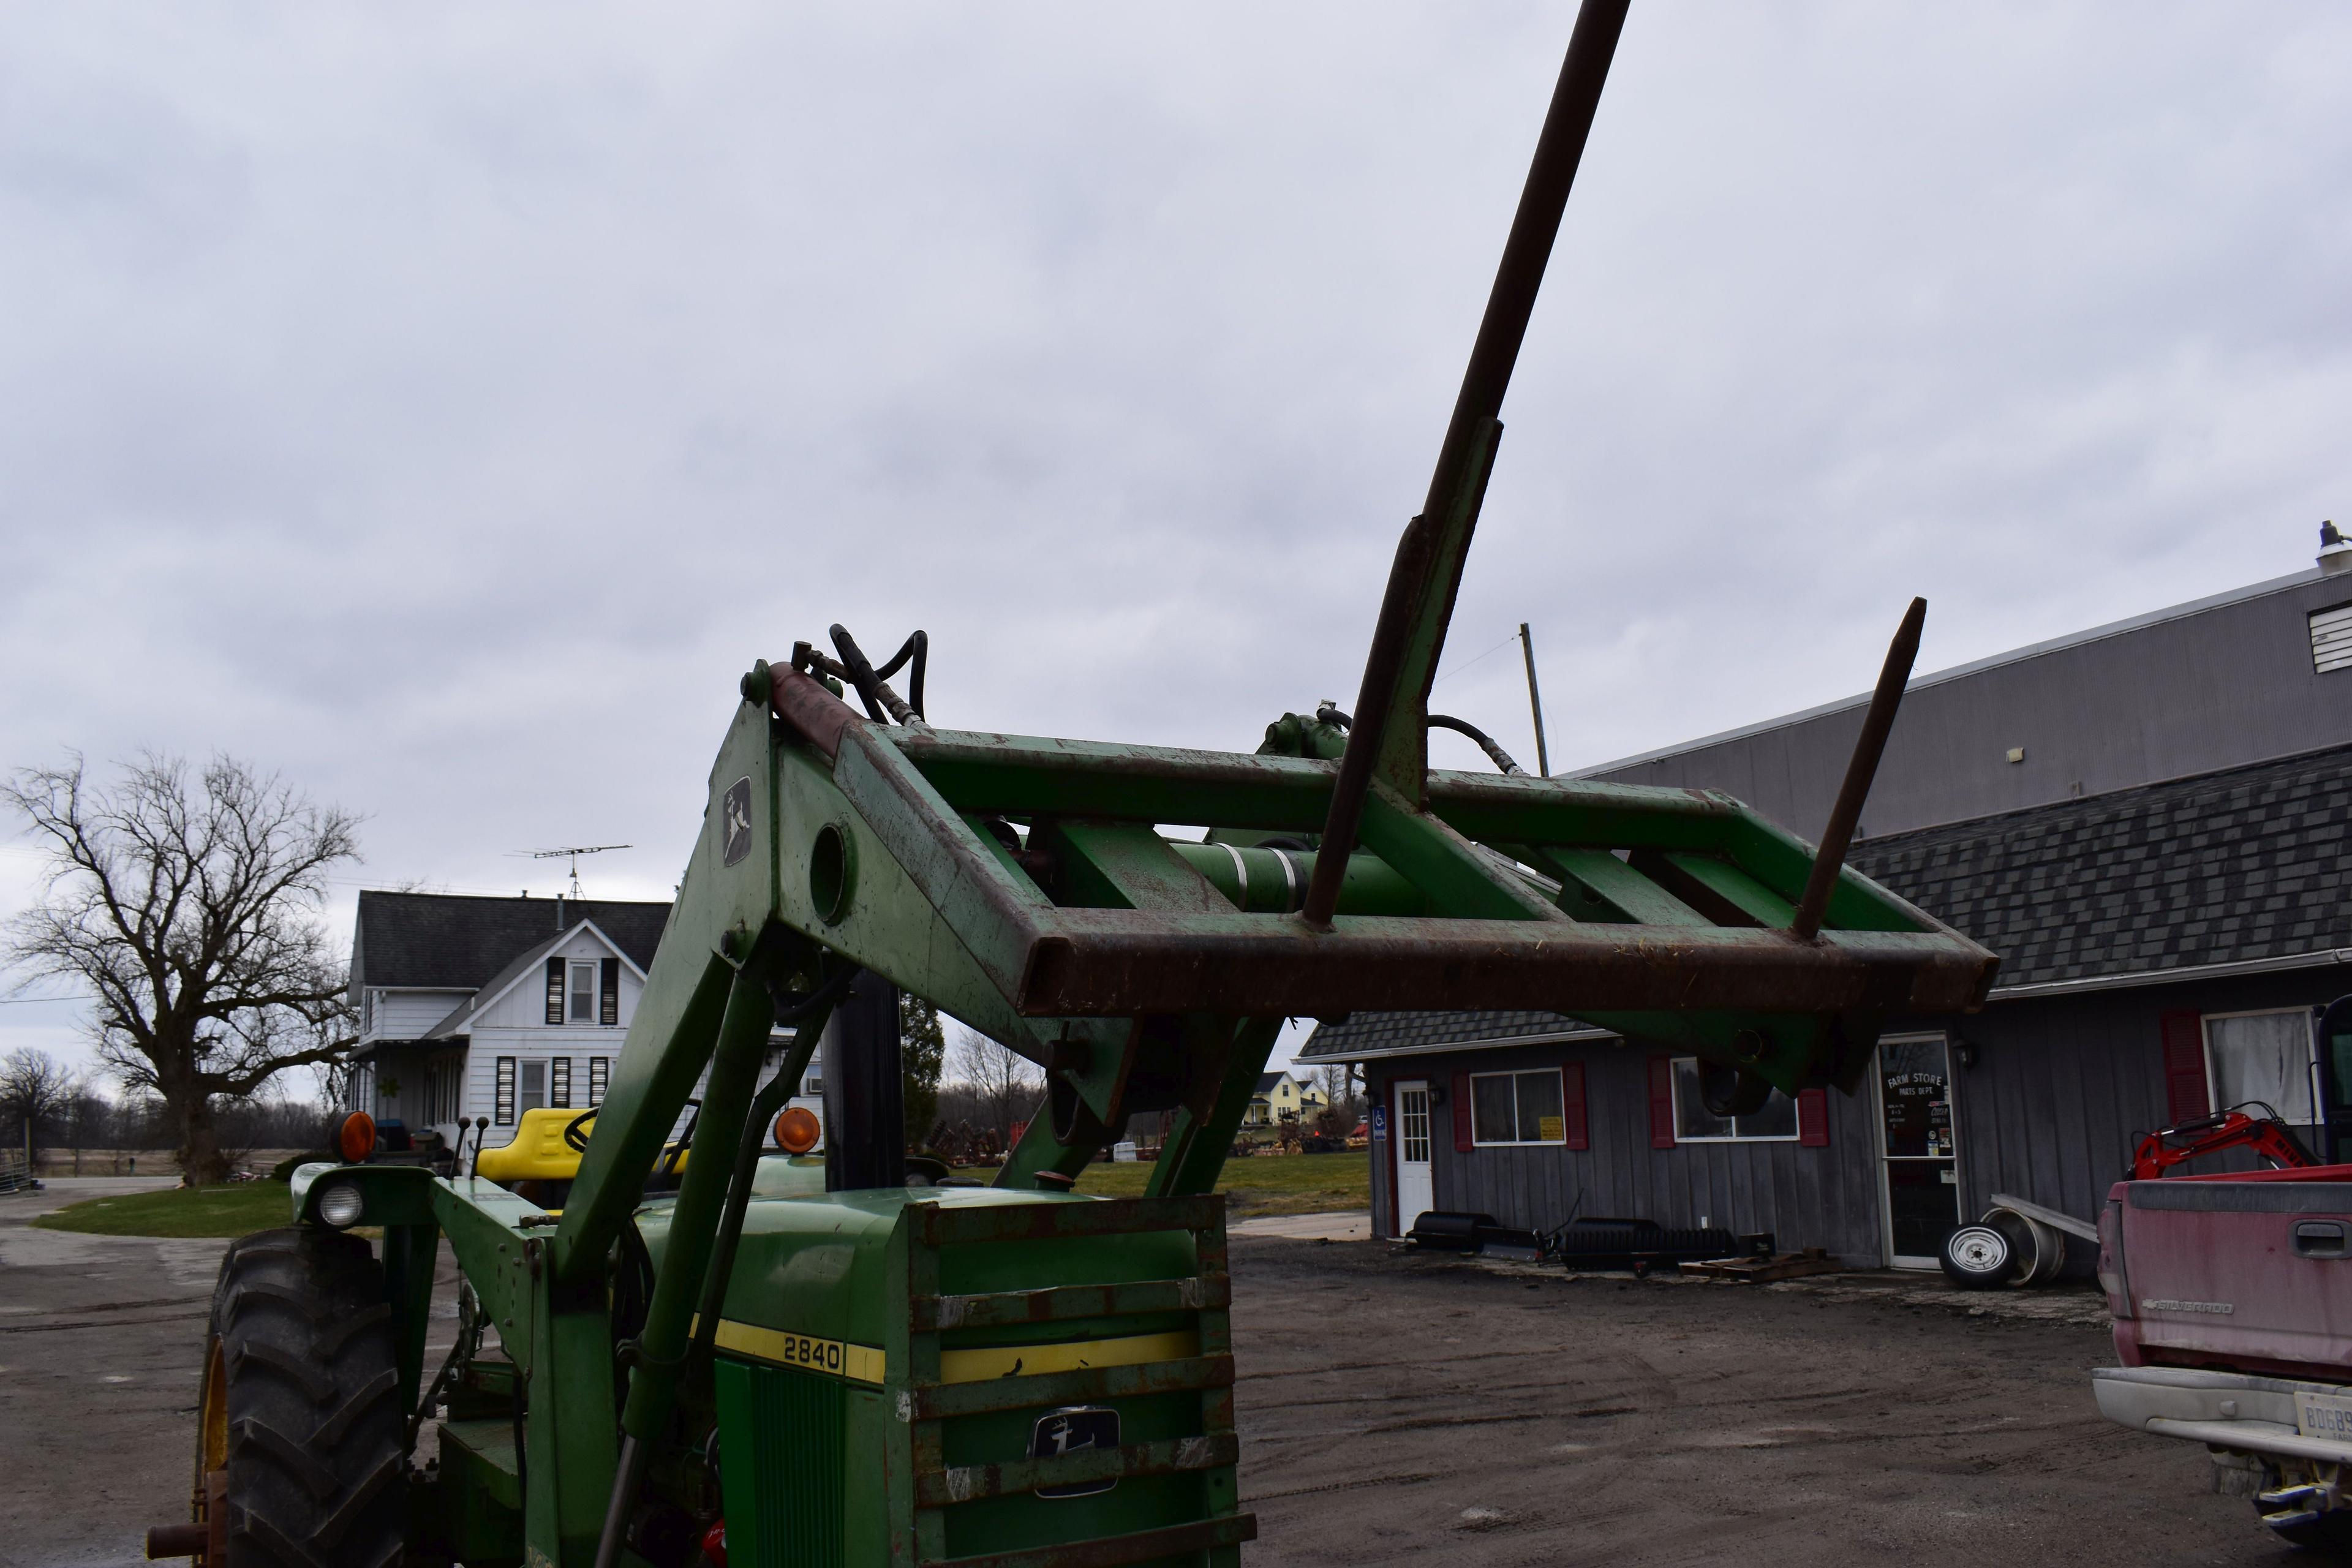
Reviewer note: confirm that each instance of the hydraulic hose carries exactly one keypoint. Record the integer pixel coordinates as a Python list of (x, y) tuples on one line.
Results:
[(1487, 742)]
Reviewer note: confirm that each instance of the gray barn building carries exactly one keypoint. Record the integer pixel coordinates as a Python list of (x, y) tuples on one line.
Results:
[(2147, 821)]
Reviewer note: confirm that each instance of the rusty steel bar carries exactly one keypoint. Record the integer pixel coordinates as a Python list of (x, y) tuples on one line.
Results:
[(1859, 771), (1418, 563)]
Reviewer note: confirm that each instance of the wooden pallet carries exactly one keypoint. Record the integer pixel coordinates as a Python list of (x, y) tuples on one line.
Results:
[(1764, 1270)]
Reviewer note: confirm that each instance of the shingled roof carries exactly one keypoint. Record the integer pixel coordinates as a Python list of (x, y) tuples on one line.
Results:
[(1373, 1033), (2251, 863), (446, 941)]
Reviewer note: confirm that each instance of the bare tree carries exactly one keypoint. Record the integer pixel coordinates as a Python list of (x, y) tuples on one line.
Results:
[(189, 907), (36, 1093), (1006, 1084)]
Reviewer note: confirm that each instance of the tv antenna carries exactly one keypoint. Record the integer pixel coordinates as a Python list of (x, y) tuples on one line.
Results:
[(571, 852)]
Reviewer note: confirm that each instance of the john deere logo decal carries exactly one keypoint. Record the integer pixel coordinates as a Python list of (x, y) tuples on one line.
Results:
[(735, 820)]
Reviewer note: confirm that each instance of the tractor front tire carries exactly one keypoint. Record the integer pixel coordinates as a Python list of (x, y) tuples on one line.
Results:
[(300, 1437)]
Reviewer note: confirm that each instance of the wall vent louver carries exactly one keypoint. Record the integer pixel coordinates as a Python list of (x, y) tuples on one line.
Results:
[(2331, 639)]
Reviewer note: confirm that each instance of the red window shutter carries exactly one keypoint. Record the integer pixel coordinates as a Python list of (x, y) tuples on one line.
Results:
[(1813, 1118), (1662, 1102), (1571, 1100), (2185, 1094), (1463, 1141)]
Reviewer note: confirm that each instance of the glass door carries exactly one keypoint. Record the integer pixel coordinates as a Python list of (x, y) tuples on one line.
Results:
[(1920, 1178)]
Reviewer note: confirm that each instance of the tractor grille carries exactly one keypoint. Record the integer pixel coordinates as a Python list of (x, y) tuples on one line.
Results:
[(780, 1438)]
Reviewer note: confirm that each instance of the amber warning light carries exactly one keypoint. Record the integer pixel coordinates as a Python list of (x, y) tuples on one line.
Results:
[(797, 1130), (357, 1138)]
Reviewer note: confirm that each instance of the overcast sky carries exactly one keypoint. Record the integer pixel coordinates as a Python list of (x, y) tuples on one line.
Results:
[(445, 405)]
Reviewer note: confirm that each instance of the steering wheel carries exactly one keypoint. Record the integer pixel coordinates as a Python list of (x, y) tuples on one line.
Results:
[(575, 1136)]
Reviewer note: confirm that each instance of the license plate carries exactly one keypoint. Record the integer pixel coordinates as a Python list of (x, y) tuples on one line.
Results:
[(2327, 1416)]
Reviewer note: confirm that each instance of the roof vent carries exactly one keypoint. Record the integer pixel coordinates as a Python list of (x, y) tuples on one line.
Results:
[(2334, 549)]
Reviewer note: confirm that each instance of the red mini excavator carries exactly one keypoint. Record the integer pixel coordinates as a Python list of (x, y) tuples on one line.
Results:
[(2232, 1128)]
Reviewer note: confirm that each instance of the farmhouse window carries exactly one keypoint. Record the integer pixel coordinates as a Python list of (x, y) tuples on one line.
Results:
[(1518, 1108), (583, 992), (1694, 1123), (534, 1086)]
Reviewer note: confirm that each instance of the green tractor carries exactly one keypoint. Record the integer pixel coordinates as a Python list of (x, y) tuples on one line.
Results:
[(711, 1349)]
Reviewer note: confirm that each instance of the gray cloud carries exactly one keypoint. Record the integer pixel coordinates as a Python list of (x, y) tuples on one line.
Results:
[(445, 405)]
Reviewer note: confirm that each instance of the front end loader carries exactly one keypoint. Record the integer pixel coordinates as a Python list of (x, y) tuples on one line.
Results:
[(714, 1350)]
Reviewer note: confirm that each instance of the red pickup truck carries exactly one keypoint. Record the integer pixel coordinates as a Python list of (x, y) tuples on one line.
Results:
[(2233, 1304)]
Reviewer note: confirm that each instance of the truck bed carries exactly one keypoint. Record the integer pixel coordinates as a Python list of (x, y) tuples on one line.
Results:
[(2248, 1273)]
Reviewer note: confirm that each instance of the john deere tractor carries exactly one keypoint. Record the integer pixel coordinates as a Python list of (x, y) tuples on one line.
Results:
[(672, 1349)]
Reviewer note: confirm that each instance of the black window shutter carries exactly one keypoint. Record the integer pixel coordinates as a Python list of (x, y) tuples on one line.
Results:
[(599, 1072), (558, 1083), (608, 993), (555, 990), (502, 1113)]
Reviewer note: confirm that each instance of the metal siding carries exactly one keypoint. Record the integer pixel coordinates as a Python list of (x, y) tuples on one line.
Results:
[(2229, 684), (1805, 1197)]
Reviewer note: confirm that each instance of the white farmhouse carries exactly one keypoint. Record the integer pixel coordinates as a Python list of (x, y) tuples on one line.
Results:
[(488, 1007)]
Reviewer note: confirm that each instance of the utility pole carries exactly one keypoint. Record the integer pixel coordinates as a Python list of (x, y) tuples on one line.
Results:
[(1534, 700)]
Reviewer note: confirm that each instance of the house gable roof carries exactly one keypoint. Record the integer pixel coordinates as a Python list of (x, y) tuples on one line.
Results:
[(2245, 864), (506, 979), (447, 942)]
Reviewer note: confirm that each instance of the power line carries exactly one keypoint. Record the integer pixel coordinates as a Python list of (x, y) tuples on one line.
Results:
[(1488, 653)]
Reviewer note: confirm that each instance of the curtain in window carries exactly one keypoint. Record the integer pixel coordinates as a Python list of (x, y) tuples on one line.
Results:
[(1493, 1117), (2265, 1057)]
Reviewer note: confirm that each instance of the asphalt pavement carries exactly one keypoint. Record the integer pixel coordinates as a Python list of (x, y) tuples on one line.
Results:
[(1395, 1408)]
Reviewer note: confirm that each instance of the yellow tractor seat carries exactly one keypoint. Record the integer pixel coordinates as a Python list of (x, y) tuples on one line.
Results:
[(538, 1152)]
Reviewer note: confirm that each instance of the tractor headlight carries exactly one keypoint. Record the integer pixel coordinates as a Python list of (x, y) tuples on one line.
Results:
[(340, 1206)]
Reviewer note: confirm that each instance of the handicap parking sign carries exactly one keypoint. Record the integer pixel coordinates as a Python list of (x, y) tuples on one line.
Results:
[(1380, 1121)]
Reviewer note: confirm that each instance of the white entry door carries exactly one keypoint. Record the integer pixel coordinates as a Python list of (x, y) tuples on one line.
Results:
[(1415, 1196)]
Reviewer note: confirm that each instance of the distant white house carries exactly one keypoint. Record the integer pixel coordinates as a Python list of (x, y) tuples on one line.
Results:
[(489, 1008), (1279, 1095)]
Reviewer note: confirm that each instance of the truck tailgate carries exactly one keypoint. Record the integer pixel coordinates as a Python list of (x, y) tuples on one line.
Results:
[(2248, 1274)]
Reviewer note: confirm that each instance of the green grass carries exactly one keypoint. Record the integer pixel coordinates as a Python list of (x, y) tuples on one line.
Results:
[(236, 1209), (1262, 1185)]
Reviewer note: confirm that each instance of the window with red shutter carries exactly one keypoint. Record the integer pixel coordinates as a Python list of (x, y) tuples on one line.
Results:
[(1813, 1118), (1464, 1142), (1571, 1099), (2186, 1095), (1662, 1102)]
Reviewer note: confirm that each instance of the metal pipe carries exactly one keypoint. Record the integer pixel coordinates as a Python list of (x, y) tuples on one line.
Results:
[(1469, 435), (1863, 766), (764, 1109), (662, 1343), (1534, 701)]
